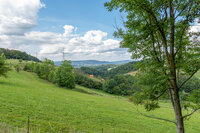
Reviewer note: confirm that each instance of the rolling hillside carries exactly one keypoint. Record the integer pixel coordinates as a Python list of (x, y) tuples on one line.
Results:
[(54, 109), (87, 63)]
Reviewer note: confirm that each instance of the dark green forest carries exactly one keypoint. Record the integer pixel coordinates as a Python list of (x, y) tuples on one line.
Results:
[(16, 54)]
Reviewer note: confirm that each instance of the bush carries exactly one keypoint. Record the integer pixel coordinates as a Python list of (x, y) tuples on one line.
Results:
[(65, 76), (85, 81), (17, 67), (121, 85), (4, 67)]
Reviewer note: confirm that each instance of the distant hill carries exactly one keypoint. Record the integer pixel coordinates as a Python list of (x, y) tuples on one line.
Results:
[(104, 71), (87, 63), (16, 54), (122, 69)]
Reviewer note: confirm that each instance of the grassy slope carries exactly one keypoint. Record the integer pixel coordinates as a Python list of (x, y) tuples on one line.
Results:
[(53, 109)]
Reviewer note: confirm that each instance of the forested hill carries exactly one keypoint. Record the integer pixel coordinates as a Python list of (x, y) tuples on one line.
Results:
[(16, 54), (89, 63), (121, 69)]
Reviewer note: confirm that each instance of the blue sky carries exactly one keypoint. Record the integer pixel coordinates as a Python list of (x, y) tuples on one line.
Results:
[(83, 28), (84, 14)]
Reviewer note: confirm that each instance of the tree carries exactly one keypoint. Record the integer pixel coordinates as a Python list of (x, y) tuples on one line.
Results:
[(158, 32), (17, 67), (4, 68), (15, 54), (65, 76), (45, 68), (52, 76)]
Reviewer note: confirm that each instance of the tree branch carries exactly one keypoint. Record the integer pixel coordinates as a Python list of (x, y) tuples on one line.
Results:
[(156, 117), (177, 7), (186, 5), (190, 113), (148, 10), (180, 41), (188, 78), (161, 94)]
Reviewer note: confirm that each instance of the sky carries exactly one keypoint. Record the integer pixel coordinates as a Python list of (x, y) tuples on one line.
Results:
[(43, 28)]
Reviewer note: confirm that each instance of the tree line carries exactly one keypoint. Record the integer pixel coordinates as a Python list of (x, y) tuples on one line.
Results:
[(119, 84), (15, 54), (62, 75), (104, 72)]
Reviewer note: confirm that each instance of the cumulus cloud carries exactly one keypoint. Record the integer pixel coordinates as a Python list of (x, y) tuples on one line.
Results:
[(68, 30), (196, 26), (93, 44), (18, 16)]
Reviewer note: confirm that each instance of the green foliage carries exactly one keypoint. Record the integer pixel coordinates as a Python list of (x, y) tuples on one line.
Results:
[(122, 69), (4, 67), (104, 72), (45, 68), (121, 85), (104, 68), (109, 85), (86, 81), (17, 67), (29, 66), (52, 76), (15, 54), (92, 71), (65, 76), (193, 85), (158, 33), (62, 75)]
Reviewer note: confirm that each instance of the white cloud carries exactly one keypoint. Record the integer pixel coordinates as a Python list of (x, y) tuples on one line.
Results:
[(68, 30), (18, 16), (196, 26), (92, 45)]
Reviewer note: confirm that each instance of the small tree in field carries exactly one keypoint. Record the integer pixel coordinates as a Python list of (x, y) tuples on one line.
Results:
[(4, 68), (17, 67), (65, 76), (158, 32)]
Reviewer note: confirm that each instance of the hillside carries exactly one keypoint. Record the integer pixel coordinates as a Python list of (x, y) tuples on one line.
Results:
[(110, 72), (87, 63), (54, 109), (16, 54)]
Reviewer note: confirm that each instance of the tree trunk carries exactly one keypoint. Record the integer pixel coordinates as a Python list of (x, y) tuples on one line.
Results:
[(177, 111)]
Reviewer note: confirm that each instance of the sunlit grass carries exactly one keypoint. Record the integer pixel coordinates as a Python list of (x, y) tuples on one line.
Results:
[(54, 109)]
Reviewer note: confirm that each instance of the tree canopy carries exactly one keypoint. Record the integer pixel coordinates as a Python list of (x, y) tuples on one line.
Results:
[(159, 33), (15, 54)]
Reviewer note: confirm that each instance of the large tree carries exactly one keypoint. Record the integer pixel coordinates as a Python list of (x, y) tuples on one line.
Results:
[(158, 32), (65, 76)]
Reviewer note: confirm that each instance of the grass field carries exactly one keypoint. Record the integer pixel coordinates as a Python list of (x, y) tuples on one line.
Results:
[(57, 110)]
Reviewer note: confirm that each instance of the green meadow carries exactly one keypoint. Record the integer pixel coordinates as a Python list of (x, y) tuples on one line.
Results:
[(58, 110)]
